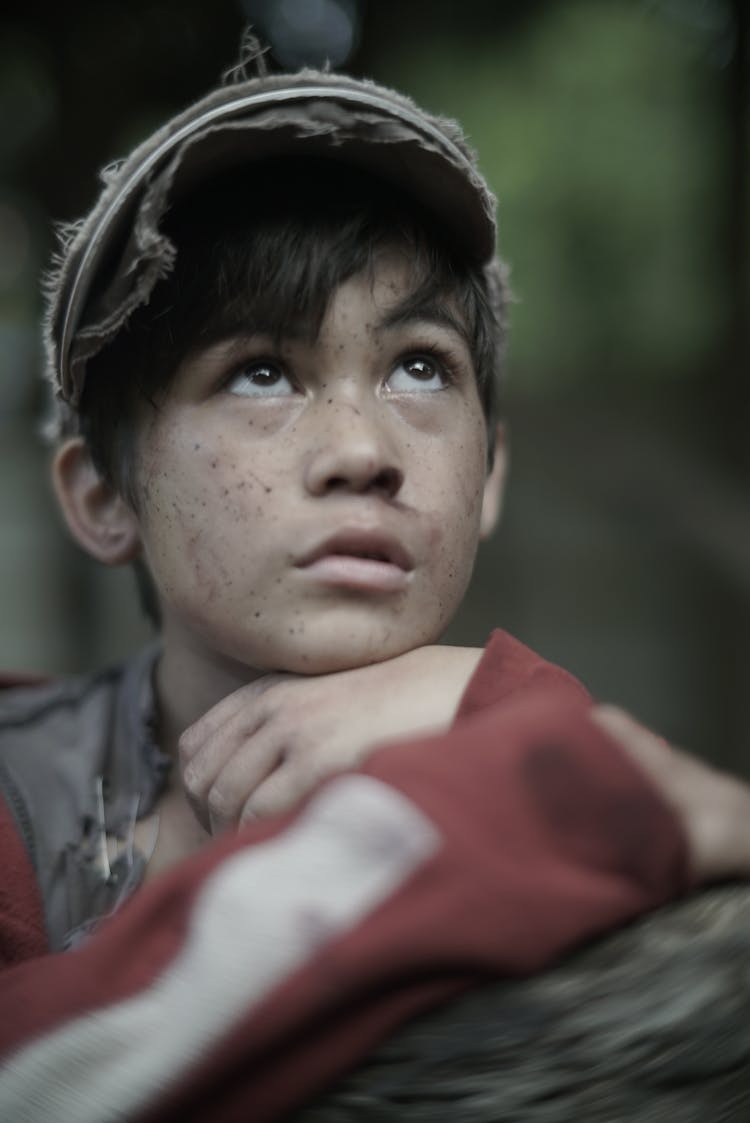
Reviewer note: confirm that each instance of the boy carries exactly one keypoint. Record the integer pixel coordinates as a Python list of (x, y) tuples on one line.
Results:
[(275, 344)]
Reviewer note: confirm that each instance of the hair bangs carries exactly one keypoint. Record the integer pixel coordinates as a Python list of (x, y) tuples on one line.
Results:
[(263, 250)]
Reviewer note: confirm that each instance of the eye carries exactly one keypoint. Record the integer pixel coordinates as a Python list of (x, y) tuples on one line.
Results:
[(418, 373), (262, 378)]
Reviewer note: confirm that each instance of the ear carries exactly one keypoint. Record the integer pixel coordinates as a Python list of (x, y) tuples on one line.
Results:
[(494, 486), (99, 519)]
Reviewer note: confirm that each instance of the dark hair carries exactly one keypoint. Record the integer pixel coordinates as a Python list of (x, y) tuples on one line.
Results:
[(271, 244)]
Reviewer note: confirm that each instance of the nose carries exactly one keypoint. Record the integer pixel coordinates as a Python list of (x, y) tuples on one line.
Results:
[(354, 452)]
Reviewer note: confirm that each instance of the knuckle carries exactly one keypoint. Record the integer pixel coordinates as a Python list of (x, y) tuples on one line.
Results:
[(250, 812), (271, 706), (191, 780), (187, 743), (265, 806), (219, 803)]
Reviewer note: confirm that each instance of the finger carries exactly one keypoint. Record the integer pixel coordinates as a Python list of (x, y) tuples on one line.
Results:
[(239, 778), (713, 808), (653, 753), (196, 735), (200, 770), (286, 785), (236, 737), (213, 744)]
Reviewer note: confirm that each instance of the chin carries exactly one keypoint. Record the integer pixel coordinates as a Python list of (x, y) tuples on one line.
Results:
[(326, 655)]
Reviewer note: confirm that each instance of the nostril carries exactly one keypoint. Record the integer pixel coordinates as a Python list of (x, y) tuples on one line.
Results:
[(353, 465), (388, 480), (337, 483)]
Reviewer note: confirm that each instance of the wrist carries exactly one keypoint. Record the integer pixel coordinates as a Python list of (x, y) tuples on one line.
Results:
[(450, 670)]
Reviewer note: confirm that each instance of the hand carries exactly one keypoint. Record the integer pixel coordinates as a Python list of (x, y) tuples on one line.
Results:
[(714, 808), (263, 747)]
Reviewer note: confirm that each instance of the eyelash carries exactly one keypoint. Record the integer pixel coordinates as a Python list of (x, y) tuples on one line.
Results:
[(254, 362), (444, 358)]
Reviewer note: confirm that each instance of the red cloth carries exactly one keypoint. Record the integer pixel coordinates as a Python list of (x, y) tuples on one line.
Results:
[(22, 931), (245, 980)]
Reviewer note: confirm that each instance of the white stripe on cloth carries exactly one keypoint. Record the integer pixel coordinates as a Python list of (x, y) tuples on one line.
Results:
[(262, 914)]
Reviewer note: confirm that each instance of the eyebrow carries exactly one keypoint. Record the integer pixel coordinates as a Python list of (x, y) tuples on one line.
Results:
[(233, 337), (406, 313), (431, 312)]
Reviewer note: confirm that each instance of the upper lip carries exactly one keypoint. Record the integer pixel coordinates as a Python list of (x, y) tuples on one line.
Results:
[(360, 543)]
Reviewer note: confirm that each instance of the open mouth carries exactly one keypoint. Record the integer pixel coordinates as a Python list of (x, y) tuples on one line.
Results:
[(370, 555), (359, 560)]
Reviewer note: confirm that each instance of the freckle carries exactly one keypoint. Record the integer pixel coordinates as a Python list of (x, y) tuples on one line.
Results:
[(196, 447), (329, 402), (251, 423), (257, 615), (214, 463)]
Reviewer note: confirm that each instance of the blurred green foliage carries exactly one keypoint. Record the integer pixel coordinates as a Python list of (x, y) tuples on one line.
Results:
[(599, 127)]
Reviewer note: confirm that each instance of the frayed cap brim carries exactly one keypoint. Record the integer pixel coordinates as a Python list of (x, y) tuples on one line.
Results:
[(116, 255)]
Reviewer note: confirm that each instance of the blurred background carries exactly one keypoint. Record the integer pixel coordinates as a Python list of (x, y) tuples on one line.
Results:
[(615, 135)]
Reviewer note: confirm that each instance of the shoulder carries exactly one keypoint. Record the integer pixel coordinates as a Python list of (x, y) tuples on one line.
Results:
[(53, 737), (27, 736), (54, 717), (22, 924), (49, 732), (29, 704), (76, 755)]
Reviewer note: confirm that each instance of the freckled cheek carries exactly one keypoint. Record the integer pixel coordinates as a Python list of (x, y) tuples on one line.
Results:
[(177, 507), (205, 507), (458, 530), (453, 538), (197, 474), (455, 480)]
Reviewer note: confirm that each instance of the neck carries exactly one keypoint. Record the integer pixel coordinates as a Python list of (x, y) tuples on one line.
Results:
[(188, 685)]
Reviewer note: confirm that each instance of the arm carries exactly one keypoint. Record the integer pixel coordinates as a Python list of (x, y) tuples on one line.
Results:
[(259, 750), (263, 747), (298, 943)]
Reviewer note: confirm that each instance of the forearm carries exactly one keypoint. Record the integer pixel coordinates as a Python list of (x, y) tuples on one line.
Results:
[(300, 942), (261, 748)]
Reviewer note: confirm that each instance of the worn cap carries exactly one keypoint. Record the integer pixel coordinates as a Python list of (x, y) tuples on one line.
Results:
[(111, 259)]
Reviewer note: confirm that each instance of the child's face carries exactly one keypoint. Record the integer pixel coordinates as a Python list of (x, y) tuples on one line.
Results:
[(310, 507)]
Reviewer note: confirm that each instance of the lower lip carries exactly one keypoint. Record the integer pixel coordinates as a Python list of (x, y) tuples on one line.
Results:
[(347, 572)]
